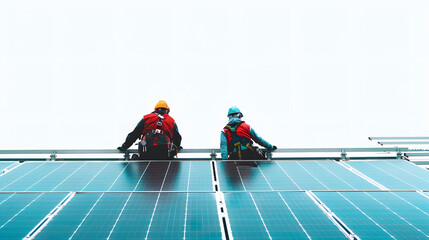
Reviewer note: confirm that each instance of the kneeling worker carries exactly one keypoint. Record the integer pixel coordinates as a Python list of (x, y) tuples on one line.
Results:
[(160, 137), (236, 139)]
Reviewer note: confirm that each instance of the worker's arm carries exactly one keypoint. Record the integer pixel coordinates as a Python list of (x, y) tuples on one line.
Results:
[(223, 146), (259, 140), (177, 138), (134, 135)]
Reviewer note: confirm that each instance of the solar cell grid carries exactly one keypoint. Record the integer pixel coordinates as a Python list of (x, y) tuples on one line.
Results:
[(378, 215), (4, 165), (390, 176), (127, 214), (20, 213)]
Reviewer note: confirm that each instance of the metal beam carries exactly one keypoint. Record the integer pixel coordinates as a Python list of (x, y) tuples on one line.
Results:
[(197, 150), (398, 138), (404, 143)]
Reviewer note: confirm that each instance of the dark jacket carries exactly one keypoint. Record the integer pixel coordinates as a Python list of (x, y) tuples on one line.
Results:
[(138, 131)]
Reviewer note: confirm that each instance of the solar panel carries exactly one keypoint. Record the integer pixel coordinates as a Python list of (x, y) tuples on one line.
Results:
[(395, 175), (290, 175), (214, 200), (20, 212), (108, 176), (377, 215), (136, 216), (286, 215), (5, 165)]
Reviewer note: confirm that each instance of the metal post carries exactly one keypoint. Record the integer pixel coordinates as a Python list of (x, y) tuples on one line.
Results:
[(343, 155), (213, 155), (126, 156), (269, 155), (398, 155), (53, 157)]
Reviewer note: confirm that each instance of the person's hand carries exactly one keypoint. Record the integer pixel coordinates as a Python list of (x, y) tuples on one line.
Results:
[(121, 149), (274, 148)]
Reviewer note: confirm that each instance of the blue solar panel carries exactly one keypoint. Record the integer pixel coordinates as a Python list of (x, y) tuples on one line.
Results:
[(70, 217), (21, 212), (181, 204), (395, 175), (291, 175), (244, 217), (4, 165), (18, 173), (136, 216), (286, 215), (316, 223), (108, 176), (376, 215)]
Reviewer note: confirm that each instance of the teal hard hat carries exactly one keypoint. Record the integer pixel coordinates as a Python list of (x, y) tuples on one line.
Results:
[(232, 110)]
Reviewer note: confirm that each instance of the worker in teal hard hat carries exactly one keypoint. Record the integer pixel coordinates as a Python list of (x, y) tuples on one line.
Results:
[(236, 139)]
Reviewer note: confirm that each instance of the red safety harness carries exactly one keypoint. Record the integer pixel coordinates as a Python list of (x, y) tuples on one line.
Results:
[(156, 125), (238, 136)]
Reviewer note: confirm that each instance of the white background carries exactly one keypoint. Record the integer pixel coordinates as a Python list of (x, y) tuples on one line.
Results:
[(312, 73)]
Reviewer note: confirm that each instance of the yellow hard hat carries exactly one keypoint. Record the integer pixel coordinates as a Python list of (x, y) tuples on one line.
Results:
[(161, 104)]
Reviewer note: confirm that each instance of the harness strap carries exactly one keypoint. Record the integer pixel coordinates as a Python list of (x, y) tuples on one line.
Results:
[(238, 147)]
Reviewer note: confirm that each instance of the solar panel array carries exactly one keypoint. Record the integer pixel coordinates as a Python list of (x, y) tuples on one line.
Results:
[(214, 200)]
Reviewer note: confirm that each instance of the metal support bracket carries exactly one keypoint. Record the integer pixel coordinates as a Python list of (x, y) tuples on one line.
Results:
[(127, 156), (53, 157), (343, 155), (398, 155), (269, 155), (213, 155)]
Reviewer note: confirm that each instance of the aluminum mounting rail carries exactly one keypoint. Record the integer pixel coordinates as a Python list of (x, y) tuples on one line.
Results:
[(212, 151), (204, 150), (398, 138)]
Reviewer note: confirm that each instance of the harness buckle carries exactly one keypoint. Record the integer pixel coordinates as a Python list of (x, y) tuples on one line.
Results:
[(157, 131)]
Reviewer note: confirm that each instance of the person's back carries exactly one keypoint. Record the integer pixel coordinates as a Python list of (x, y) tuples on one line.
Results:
[(237, 139), (160, 138)]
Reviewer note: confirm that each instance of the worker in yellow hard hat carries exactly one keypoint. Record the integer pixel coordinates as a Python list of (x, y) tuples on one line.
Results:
[(160, 137)]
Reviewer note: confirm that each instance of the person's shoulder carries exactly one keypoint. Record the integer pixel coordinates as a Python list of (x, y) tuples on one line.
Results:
[(148, 115)]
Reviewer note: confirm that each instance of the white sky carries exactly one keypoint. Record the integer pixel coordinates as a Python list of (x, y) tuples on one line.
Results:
[(312, 73)]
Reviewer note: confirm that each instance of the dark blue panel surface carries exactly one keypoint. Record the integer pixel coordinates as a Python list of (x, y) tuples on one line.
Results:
[(169, 219), (18, 173), (278, 179), (130, 177), (229, 179), (23, 211), (313, 220), (177, 177), (336, 177), (55, 177), (82, 177), (243, 217), (107, 177), (70, 217), (372, 218), (102, 217), (278, 217), (202, 221), (301, 176), (154, 176), (201, 176), (382, 175), (404, 171), (134, 220), (404, 209), (27, 181), (128, 216)]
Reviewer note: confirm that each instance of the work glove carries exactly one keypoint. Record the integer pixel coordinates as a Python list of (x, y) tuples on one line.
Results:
[(121, 149), (274, 148)]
